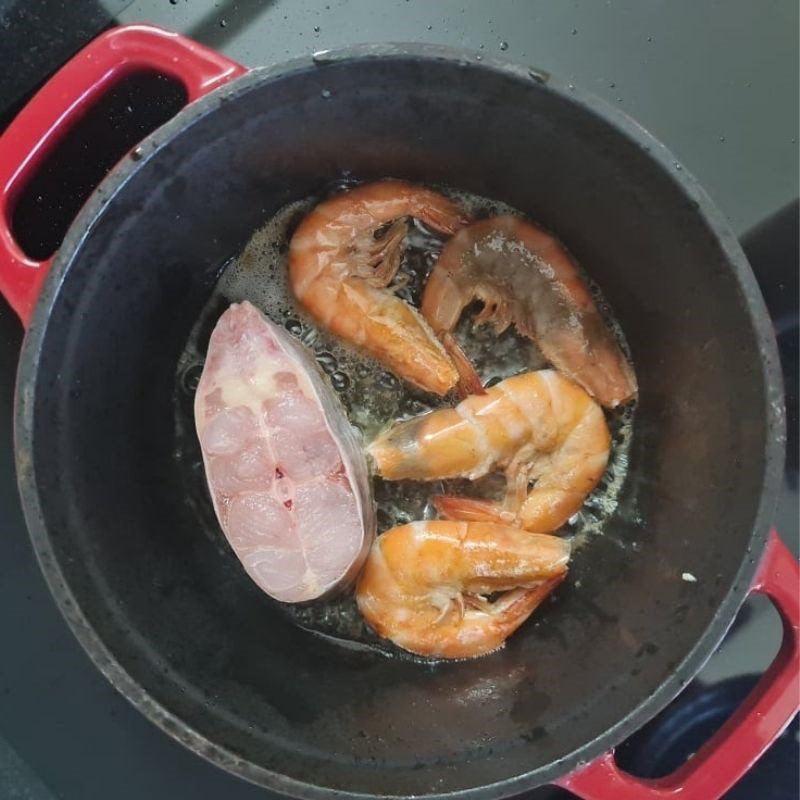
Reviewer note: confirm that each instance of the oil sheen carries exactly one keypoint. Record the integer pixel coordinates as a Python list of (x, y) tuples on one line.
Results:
[(372, 396)]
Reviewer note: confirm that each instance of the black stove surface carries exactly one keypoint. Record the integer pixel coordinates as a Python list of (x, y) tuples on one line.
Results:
[(64, 731)]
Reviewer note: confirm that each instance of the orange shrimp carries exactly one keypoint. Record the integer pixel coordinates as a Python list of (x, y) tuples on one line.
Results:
[(342, 275), (538, 426), (424, 585), (524, 276)]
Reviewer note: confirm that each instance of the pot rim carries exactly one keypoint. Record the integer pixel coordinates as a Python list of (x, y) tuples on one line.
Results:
[(81, 229)]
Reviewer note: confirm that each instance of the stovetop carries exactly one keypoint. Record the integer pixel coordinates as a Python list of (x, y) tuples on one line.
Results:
[(716, 82)]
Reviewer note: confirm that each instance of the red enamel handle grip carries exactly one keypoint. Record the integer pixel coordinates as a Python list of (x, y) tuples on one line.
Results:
[(752, 728), (63, 100)]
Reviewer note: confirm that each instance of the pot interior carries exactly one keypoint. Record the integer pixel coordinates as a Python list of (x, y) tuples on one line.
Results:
[(177, 612)]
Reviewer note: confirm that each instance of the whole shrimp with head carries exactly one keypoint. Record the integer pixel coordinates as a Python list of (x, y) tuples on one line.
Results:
[(425, 585), (538, 427), (525, 277), (343, 259)]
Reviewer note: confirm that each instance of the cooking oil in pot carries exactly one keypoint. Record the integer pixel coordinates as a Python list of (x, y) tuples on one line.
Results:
[(372, 396)]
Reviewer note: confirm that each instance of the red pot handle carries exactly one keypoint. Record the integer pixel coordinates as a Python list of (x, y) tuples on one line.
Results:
[(752, 728), (63, 100)]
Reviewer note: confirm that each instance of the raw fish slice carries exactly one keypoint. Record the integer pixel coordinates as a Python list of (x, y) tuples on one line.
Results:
[(285, 469)]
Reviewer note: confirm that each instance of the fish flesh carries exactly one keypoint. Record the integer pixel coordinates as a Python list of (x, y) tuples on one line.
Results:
[(286, 471)]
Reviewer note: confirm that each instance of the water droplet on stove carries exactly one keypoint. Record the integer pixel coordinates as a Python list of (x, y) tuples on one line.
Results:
[(137, 153), (570, 86), (504, 45), (540, 76), (677, 165), (316, 29), (479, 57), (430, 27), (722, 138), (173, 2), (326, 93), (612, 84), (223, 23), (649, 38), (574, 31)]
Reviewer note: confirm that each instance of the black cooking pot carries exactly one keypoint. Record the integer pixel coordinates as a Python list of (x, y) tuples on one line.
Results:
[(185, 635)]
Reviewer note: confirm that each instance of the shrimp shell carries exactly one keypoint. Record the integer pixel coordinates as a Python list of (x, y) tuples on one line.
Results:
[(525, 277), (537, 426), (342, 275), (425, 585)]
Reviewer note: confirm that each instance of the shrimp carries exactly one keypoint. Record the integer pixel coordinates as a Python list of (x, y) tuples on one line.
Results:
[(424, 585), (524, 276), (537, 426), (341, 272)]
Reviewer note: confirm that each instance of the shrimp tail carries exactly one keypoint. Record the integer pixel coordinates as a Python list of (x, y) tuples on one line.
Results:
[(513, 608), (523, 602), (527, 601), (469, 380), (446, 219), (471, 509)]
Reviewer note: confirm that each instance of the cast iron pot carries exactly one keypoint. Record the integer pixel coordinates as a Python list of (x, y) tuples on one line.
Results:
[(186, 636)]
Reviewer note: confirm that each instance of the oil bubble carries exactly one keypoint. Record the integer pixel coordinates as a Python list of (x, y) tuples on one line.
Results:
[(340, 381), (191, 378), (388, 381), (364, 370), (294, 326), (328, 363)]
